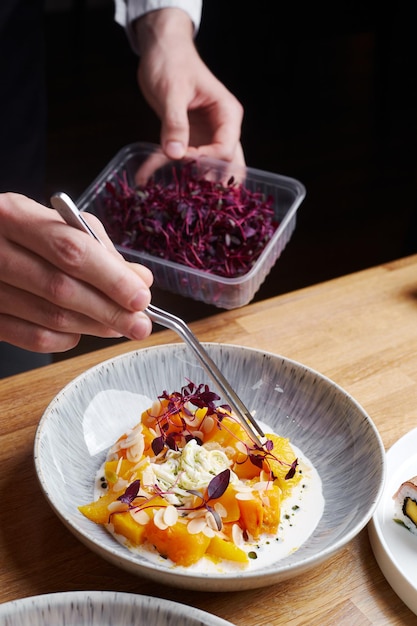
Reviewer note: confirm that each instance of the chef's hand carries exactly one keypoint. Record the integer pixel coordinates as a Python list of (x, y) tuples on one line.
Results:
[(57, 283), (199, 116)]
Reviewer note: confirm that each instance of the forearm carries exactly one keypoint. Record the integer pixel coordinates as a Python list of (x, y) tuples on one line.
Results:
[(167, 29)]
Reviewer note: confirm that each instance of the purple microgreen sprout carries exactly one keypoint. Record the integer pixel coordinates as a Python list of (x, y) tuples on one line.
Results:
[(201, 396), (291, 472), (215, 489), (130, 494), (158, 444), (258, 456), (221, 228)]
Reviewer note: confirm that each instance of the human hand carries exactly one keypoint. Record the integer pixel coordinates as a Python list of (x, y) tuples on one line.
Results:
[(57, 283), (199, 116)]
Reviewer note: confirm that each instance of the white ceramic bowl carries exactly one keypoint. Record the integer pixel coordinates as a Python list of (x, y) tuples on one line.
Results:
[(318, 416)]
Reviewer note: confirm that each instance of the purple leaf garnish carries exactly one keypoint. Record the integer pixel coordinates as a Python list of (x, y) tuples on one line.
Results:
[(131, 492), (170, 442), (157, 445), (291, 472), (215, 489), (256, 460), (197, 439), (218, 485)]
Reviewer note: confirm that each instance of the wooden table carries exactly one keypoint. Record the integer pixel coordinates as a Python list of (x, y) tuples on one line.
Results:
[(360, 330)]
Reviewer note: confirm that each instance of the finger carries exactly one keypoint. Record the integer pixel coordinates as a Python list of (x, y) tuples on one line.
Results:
[(224, 145), (223, 117), (239, 156), (98, 227), (39, 278), (24, 334), (175, 127), (74, 253), (149, 166), (141, 270), (28, 307)]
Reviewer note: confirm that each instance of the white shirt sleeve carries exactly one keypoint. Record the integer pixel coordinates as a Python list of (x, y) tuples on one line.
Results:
[(127, 11)]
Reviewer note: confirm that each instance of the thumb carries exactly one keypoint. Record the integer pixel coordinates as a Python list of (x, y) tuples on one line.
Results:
[(175, 131)]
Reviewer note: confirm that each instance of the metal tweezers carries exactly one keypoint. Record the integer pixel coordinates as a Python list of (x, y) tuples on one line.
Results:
[(71, 214)]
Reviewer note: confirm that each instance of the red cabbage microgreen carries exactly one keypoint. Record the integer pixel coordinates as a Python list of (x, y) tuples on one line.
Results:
[(221, 228)]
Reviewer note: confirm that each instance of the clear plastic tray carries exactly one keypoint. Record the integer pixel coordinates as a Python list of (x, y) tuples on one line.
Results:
[(139, 160)]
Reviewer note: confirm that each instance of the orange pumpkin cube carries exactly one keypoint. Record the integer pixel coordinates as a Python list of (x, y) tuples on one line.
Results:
[(229, 503), (222, 549), (124, 524), (177, 544), (98, 511), (252, 515)]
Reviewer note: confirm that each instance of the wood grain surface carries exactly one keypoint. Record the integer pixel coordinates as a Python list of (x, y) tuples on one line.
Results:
[(360, 330)]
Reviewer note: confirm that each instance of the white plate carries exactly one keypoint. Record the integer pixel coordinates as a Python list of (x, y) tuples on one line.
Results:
[(102, 608), (394, 546)]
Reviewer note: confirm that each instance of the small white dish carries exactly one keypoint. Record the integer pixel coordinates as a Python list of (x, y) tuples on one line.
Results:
[(102, 608), (323, 421), (395, 547)]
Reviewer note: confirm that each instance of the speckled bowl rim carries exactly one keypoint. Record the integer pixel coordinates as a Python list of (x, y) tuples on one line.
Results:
[(109, 606)]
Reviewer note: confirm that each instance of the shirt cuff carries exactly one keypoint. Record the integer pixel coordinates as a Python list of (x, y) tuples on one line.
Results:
[(127, 11)]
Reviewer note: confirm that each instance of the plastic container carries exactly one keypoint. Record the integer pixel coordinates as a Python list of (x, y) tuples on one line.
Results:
[(140, 160)]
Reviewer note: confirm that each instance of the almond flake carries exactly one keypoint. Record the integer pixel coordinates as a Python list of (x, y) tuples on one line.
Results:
[(194, 514), (140, 516), (158, 519), (262, 486), (210, 521), (119, 465), (135, 452), (196, 525), (170, 515), (242, 488), (240, 447), (220, 509), (117, 506), (155, 409), (237, 535), (244, 495), (208, 424), (208, 532), (120, 485)]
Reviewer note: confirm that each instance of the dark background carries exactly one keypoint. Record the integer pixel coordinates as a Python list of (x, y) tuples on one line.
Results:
[(329, 98)]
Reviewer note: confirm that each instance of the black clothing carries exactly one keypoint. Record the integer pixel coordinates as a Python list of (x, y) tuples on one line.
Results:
[(22, 126)]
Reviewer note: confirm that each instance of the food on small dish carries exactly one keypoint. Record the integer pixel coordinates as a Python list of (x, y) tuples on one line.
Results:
[(187, 484), (405, 504)]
